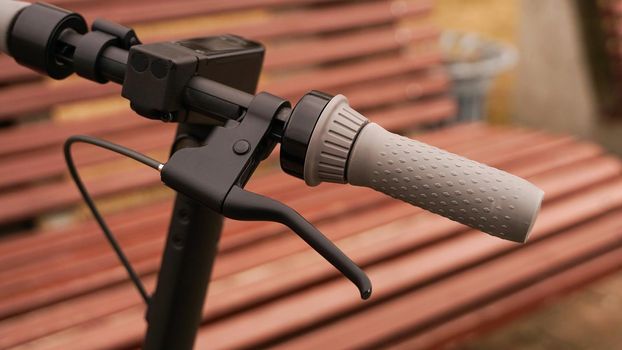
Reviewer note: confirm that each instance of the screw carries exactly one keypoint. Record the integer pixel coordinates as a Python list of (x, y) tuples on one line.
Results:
[(241, 147)]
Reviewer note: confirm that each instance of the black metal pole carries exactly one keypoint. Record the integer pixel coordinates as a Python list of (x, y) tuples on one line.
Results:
[(174, 313)]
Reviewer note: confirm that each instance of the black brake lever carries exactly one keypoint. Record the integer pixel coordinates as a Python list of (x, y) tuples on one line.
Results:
[(216, 173), (244, 205)]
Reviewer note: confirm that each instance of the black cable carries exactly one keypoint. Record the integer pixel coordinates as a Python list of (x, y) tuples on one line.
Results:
[(91, 204)]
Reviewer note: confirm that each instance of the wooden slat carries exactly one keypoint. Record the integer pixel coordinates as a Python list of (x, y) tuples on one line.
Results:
[(421, 113), (14, 72), (147, 136), (333, 78), (497, 312), (76, 5), (149, 233), (391, 89), (322, 50), (297, 23), (553, 177), (505, 144), (347, 290), (65, 289), (31, 98), (20, 248), (136, 12), (497, 277), (36, 200), (155, 252), (405, 230), (46, 135), (18, 172)]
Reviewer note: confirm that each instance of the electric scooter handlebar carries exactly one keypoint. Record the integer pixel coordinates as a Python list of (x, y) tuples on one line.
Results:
[(322, 138), (344, 145)]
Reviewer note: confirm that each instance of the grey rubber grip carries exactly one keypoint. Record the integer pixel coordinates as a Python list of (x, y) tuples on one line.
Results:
[(460, 189), (8, 10)]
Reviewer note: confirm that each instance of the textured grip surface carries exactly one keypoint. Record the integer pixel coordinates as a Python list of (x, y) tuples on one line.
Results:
[(460, 189)]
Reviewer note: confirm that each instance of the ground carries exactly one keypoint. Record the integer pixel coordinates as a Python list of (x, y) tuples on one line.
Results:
[(591, 318), (588, 319)]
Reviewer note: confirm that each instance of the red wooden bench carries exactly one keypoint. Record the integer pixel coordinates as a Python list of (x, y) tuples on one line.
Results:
[(435, 281)]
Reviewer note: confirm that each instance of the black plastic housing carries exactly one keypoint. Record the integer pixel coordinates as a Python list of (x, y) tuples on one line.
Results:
[(157, 73), (298, 130)]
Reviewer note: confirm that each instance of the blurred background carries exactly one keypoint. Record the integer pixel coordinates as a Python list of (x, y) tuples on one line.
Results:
[(532, 87), (575, 45), (567, 80)]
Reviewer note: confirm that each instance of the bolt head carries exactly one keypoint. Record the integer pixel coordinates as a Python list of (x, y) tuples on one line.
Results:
[(241, 147)]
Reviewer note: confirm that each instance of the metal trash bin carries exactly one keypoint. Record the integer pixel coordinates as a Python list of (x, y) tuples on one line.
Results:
[(473, 62)]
